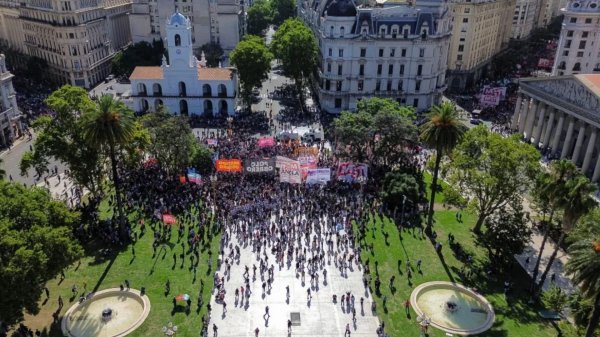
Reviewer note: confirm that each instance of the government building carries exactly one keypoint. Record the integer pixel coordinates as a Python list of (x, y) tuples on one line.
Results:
[(561, 116), (391, 49), (183, 85), (10, 115)]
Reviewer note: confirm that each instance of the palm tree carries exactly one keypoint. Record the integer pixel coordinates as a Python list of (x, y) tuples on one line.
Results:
[(2, 172), (441, 132), (584, 268), (108, 126), (549, 187), (575, 201)]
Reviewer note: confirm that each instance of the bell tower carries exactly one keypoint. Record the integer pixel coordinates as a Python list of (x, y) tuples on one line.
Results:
[(179, 42)]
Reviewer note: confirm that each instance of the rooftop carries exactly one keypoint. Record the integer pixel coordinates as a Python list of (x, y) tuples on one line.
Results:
[(204, 74), (591, 81)]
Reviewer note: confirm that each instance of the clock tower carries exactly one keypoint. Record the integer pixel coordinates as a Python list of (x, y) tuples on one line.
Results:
[(179, 42)]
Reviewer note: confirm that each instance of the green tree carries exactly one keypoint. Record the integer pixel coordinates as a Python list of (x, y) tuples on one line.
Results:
[(109, 127), (135, 149), (282, 10), (253, 61), (61, 137), (213, 52), (555, 299), (258, 17), (580, 307), (507, 235), (584, 268), (399, 185), (171, 140), (575, 201), (493, 170), (36, 243), (138, 54), (295, 45), (442, 131), (201, 158), (2, 172)]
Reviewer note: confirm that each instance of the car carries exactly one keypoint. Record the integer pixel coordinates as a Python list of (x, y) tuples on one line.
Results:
[(312, 136), (475, 121)]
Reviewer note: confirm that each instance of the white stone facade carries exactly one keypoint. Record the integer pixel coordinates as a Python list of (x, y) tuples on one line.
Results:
[(396, 51), (184, 85), (525, 18), (220, 21), (10, 116), (77, 38), (578, 49)]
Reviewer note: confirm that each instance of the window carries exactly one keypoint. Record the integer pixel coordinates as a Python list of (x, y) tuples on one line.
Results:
[(390, 69), (327, 84), (340, 69), (419, 70), (416, 102), (363, 52), (338, 86), (329, 67), (417, 85), (380, 52), (341, 52), (405, 32), (568, 44), (338, 103), (577, 67), (342, 31), (461, 48), (402, 69), (379, 69), (361, 70), (573, 20), (459, 57), (579, 54), (361, 85), (422, 52), (392, 52), (465, 20), (581, 44), (584, 34), (389, 86), (588, 20), (400, 85), (467, 10), (403, 53), (331, 31), (566, 53), (330, 52), (377, 85)]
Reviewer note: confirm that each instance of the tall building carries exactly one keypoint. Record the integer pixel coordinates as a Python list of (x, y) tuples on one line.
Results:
[(10, 116), (395, 49), (578, 49), (479, 32), (220, 21), (184, 85), (525, 17)]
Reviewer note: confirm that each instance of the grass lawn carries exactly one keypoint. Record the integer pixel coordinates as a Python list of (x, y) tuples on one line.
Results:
[(100, 272), (513, 318)]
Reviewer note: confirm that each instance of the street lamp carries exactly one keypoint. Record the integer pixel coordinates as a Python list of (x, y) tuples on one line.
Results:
[(170, 329)]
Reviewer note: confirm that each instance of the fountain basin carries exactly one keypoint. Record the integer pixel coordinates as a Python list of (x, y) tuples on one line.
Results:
[(452, 308), (107, 313)]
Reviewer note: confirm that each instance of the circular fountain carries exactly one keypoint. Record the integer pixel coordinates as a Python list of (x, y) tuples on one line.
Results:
[(107, 313), (452, 308)]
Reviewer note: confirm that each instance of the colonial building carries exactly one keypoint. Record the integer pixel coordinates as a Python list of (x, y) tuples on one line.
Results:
[(10, 116), (561, 115), (220, 21), (578, 49), (479, 32), (183, 85), (394, 49), (77, 38)]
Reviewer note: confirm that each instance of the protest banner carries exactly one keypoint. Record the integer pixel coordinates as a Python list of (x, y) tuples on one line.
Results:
[(544, 63), (318, 176), (350, 172), (264, 165), (306, 151), (307, 163), (280, 160), (193, 176), (229, 165), (212, 142), (290, 172), (169, 219), (266, 142)]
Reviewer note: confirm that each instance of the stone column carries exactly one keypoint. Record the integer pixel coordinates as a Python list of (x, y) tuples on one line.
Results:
[(596, 175), (531, 119), (515, 117), (524, 114), (567, 144), (540, 124), (558, 132), (548, 129), (578, 144), (589, 151)]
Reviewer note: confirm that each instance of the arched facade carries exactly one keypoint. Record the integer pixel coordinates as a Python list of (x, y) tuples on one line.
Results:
[(183, 107), (156, 89), (206, 90), (182, 89)]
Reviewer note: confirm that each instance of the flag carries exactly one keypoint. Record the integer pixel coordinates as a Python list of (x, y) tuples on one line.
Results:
[(193, 176)]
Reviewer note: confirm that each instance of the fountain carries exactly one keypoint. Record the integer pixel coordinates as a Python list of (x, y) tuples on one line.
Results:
[(107, 313), (452, 308)]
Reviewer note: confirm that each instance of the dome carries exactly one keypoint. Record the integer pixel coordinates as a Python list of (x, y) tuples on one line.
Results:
[(178, 19), (341, 8)]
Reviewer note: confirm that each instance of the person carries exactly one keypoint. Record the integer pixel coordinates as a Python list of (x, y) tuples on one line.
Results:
[(215, 329), (60, 302), (289, 326), (347, 333), (407, 307)]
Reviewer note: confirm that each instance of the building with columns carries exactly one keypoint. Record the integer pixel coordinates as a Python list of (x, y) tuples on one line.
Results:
[(561, 116), (184, 85)]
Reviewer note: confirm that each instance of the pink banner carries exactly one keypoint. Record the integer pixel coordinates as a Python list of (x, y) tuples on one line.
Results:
[(266, 142)]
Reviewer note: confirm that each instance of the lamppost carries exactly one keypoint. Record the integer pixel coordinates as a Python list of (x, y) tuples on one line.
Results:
[(169, 330)]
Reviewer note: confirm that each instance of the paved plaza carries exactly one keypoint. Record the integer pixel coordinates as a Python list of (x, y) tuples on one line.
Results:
[(319, 317)]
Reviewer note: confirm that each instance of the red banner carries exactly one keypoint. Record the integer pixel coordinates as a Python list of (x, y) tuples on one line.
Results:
[(169, 219), (229, 165)]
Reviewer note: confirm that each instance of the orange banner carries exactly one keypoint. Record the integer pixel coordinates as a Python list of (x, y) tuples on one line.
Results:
[(229, 165)]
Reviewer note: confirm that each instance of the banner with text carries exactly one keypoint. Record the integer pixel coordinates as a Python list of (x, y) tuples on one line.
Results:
[(318, 176), (266, 142), (306, 151), (263, 165), (289, 172), (229, 165), (350, 172)]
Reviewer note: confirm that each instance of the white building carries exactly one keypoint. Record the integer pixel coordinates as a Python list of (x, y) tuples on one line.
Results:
[(578, 49), (391, 50), (184, 85), (220, 21), (77, 38), (10, 116), (525, 18)]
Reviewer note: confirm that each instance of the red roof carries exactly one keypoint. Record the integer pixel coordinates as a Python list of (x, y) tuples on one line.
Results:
[(204, 74)]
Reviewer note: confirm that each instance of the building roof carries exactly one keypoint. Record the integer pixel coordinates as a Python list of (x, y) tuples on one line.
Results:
[(147, 73), (591, 81), (204, 74), (177, 19)]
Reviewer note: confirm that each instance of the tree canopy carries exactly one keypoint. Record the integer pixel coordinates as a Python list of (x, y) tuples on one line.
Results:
[(282, 10), (138, 54), (493, 170), (36, 242), (213, 52), (259, 17), (253, 61)]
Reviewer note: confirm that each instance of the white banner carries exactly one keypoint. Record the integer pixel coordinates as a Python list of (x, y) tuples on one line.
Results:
[(289, 172), (318, 176)]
